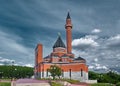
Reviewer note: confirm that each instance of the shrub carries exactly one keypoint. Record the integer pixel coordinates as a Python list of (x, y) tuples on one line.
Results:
[(71, 81), (118, 84), (55, 84)]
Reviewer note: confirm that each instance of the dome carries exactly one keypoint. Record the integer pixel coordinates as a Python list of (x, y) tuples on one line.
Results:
[(59, 43)]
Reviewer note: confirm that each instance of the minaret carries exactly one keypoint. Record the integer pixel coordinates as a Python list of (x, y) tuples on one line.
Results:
[(68, 27)]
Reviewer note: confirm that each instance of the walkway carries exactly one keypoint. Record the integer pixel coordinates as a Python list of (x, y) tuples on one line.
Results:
[(34, 82), (30, 82)]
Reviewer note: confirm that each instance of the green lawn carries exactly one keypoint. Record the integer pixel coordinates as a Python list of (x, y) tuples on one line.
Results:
[(55, 84), (5, 84), (71, 81)]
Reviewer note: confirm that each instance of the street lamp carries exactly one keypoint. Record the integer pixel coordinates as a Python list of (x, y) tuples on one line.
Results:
[(1, 74), (12, 75), (15, 72)]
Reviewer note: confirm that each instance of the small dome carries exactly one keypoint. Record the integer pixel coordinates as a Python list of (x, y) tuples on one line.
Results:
[(79, 58), (59, 43)]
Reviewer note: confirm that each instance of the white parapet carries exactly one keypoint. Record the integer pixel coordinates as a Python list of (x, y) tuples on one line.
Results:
[(76, 75), (81, 76)]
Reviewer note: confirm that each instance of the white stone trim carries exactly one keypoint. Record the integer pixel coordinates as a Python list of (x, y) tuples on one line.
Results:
[(74, 75)]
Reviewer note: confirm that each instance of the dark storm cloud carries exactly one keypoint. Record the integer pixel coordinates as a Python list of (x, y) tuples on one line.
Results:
[(22, 22), (98, 14), (114, 42)]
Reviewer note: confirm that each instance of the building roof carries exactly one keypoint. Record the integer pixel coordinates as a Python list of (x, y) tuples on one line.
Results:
[(79, 58), (47, 57), (59, 43)]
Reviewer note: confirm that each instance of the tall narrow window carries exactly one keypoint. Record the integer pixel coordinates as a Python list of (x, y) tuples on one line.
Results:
[(38, 71), (62, 73), (47, 73), (42, 73), (70, 73), (81, 72)]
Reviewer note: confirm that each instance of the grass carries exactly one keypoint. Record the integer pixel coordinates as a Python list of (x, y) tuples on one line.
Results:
[(71, 81), (55, 84), (5, 84), (102, 84), (68, 80)]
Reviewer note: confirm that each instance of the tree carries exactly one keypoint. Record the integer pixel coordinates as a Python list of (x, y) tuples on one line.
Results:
[(15, 71), (109, 77), (55, 71), (93, 75), (118, 84)]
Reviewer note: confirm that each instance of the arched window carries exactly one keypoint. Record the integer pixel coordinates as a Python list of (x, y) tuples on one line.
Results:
[(42, 73), (47, 73), (60, 60), (70, 73), (81, 72), (62, 73)]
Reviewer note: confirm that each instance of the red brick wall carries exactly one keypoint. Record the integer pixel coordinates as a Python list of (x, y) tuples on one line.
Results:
[(66, 67)]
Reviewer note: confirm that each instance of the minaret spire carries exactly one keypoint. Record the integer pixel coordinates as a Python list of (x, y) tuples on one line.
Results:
[(68, 27), (68, 16)]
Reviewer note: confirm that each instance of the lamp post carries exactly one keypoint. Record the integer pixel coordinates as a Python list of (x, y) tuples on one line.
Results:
[(15, 70), (1, 74), (12, 75)]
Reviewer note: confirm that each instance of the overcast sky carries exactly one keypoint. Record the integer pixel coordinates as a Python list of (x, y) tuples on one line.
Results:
[(96, 30)]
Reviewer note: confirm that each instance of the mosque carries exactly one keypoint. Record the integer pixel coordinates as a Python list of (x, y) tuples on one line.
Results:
[(72, 67)]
